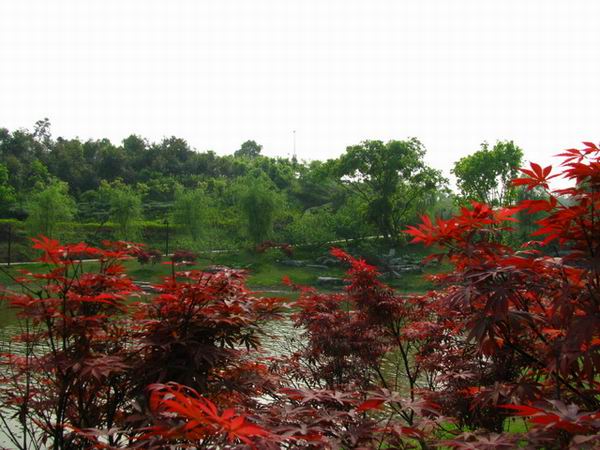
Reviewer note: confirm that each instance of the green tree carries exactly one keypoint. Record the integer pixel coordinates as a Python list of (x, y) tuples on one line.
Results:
[(18, 151), (7, 192), (486, 174), (314, 226), (527, 221), (67, 160), (316, 185), (190, 211), (391, 178), (47, 207), (249, 149), (39, 174), (348, 220), (259, 202), (110, 162), (279, 170), (42, 133), (134, 146), (125, 208), (170, 156)]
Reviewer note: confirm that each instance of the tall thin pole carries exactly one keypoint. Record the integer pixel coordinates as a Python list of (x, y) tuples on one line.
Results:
[(294, 144)]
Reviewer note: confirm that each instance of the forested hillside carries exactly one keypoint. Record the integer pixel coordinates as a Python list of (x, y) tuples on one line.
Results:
[(141, 190)]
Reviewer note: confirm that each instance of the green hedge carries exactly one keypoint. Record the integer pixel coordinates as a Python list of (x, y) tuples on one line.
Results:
[(152, 233), (223, 234)]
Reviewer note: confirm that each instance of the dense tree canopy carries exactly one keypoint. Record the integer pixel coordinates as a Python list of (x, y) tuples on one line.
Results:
[(391, 177), (249, 149), (374, 188), (485, 175)]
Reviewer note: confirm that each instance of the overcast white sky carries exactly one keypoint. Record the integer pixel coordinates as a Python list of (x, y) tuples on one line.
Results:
[(450, 72)]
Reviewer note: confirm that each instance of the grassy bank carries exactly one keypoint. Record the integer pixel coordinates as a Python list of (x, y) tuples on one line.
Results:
[(265, 271)]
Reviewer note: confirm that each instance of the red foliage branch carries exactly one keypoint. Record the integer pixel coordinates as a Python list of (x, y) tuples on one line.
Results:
[(535, 318)]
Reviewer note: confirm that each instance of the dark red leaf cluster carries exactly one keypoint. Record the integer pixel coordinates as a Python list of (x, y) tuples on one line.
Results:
[(528, 319), (286, 248)]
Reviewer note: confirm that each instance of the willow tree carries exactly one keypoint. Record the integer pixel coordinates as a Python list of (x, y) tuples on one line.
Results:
[(125, 208), (259, 201), (47, 207), (190, 211)]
